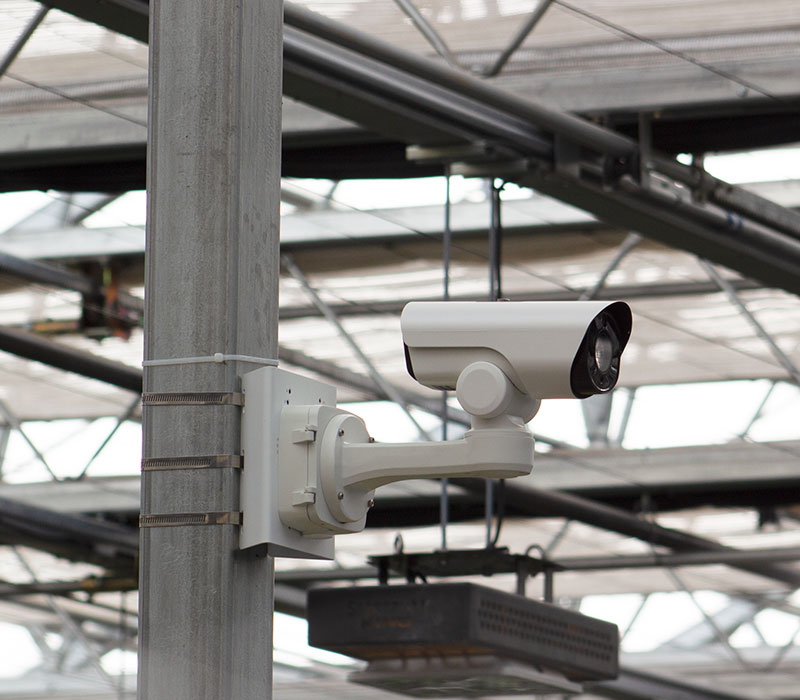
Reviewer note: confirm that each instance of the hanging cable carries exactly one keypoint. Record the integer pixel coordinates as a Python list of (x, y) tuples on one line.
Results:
[(596, 19), (495, 292), (444, 498)]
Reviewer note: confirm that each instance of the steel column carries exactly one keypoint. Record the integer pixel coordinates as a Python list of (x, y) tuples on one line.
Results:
[(212, 287)]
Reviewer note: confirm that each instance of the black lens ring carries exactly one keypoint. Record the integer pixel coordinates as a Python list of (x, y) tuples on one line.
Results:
[(586, 378)]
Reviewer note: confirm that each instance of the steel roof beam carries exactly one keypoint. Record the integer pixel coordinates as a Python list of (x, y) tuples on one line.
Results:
[(33, 347)]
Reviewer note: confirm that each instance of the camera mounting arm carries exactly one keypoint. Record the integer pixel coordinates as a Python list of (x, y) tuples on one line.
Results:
[(329, 467)]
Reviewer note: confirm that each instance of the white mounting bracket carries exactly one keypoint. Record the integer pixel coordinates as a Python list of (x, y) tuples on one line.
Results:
[(268, 392), (311, 469)]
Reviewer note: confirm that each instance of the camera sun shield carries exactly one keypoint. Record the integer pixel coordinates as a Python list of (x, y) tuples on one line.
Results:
[(557, 349)]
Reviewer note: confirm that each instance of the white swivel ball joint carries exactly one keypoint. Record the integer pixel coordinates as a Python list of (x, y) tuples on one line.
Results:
[(485, 392)]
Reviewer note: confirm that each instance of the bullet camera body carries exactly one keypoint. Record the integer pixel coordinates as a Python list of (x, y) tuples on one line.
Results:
[(559, 349), (316, 466)]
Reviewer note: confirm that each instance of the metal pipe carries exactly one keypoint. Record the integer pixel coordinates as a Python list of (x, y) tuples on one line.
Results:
[(733, 297), (749, 247), (645, 561), (577, 129), (45, 274), (32, 347), (495, 242), (749, 204), (538, 502), (519, 37), (73, 527), (61, 278), (458, 114)]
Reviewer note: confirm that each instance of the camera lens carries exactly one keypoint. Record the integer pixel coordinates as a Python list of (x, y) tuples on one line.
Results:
[(595, 369), (603, 351)]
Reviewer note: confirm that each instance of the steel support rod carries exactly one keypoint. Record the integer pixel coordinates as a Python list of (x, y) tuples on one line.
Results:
[(380, 382), (74, 628), (761, 332), (22, 39), (426, 29), (211, 287), (519, 37), (15, 423), (631, 241), (122, 418), (758, 412)]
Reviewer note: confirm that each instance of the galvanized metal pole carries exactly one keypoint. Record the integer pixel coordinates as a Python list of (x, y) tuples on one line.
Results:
[(211, 287)]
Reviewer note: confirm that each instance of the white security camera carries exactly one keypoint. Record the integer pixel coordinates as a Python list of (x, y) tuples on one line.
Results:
[(556, 349), (316, 465)]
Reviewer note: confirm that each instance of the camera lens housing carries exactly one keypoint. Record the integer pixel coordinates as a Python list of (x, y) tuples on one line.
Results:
[(595, 369)]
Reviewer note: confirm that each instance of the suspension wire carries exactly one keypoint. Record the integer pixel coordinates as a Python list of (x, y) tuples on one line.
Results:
[(77, 100), (495, 243), (495, 292), (447, 234), (666, 49)]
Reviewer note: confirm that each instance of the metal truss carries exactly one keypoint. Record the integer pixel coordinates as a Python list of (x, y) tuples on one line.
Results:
[(412, 99)]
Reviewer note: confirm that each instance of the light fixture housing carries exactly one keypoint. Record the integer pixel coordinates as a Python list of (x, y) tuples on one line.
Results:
[(461, 640)]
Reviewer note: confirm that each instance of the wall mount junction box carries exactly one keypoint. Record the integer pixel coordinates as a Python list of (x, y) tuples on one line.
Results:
[(267, 392)]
